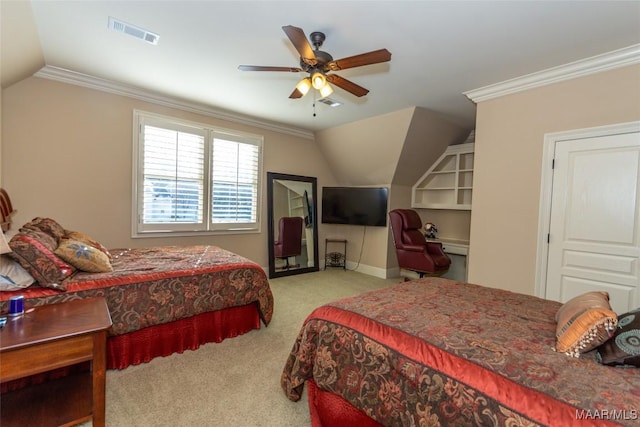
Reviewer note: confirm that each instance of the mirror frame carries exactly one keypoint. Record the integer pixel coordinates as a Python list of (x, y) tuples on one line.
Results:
[(274, 176)]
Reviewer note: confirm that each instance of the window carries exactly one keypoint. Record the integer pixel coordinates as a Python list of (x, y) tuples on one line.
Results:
[(191, 178)]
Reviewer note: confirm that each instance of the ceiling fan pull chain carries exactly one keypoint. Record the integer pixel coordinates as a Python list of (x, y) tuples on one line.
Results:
[(314, 104)]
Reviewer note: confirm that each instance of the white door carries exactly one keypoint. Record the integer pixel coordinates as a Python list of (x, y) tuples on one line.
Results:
[(594, 231)]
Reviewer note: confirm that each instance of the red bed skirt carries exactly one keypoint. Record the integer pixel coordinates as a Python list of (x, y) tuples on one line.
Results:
[(186, 334), (161, 340), (330, 410)]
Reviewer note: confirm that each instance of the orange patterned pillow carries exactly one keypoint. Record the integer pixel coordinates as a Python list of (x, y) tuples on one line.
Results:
[(77, 235), (584, 323), (83, 256)]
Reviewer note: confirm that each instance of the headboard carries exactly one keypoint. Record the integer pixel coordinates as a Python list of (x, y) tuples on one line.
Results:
[(6, 210)]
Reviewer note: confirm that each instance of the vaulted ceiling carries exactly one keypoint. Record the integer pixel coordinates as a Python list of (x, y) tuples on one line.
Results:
[(439, 49)]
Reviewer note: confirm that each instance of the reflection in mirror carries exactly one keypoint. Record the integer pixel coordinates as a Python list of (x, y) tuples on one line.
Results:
[(293, 228)]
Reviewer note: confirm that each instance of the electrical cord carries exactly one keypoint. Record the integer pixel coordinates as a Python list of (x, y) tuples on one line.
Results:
[(364, 233)]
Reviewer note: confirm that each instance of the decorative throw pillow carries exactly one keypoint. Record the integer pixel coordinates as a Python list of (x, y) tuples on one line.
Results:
[(34, 251), (4, 245), (624, 347), (46, 225), (12, 276), (83, 256), (76, 235), (584, 323)]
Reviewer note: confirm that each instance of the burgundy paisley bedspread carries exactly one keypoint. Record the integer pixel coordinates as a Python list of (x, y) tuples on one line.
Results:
[(156, 285), (437, 352)]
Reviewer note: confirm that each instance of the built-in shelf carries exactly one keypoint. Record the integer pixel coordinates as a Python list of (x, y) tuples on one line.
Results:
[(296, 204), (448, 184)]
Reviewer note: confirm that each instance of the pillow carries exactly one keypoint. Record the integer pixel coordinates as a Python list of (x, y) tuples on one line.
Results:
[(47, 226), (12, 276), (624, 347), (76, 235), (83, 257), (34, 251), (584, 323), (4, 245)]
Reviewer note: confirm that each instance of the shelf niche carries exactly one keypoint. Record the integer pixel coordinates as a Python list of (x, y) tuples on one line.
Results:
[(448, 184)]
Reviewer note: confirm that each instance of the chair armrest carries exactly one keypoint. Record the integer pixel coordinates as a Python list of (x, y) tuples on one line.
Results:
[(435, 248), (413, 248)]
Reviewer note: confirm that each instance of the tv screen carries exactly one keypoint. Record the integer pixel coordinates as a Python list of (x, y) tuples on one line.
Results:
[(355, 206)]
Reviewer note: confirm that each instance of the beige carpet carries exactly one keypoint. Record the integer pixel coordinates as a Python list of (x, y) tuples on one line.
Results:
[(236, 382)]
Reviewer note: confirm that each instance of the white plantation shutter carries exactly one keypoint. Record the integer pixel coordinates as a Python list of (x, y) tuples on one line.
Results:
[(191, 179), (235, 182), (173, 176)]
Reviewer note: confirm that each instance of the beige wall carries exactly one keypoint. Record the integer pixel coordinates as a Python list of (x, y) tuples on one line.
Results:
[(451, 224), (20, 51), (365, 153), (67, 155), (391, 150), (508, 153)]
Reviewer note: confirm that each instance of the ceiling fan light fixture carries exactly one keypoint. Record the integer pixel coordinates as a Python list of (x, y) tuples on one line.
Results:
[(316, 64), (318, 80), (304, 85), (326, 90)]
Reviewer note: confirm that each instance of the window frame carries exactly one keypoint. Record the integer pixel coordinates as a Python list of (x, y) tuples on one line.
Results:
[(141, 230)]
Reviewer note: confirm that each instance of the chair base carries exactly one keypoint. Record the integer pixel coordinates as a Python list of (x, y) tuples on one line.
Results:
[(287, 265), (414, 275)]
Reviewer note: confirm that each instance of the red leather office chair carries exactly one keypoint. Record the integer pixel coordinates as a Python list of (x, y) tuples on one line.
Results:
[(289, 241), (413, 250)]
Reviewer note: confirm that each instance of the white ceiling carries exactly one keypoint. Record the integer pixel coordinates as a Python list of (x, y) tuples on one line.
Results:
[(439, 49)]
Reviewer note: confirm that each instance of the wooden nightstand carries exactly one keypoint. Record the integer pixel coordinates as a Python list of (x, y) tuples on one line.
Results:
[(50, 337)]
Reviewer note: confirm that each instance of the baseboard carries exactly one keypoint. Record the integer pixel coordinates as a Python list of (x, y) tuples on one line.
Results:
[(382, 273)]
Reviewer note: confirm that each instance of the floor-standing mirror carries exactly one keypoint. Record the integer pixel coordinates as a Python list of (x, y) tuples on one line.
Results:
[(293, 226)]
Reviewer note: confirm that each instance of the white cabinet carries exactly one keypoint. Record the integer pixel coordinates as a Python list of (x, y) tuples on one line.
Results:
[(448, 184)]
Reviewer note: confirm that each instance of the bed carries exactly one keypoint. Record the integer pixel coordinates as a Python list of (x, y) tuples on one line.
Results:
[(162, 300), (438, 352)]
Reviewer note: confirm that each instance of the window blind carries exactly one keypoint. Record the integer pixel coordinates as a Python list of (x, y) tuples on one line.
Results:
[(190, 178), (235, 169), (173, 176)]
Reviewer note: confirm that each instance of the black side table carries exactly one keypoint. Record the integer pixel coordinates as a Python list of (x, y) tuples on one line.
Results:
[(336, 258)]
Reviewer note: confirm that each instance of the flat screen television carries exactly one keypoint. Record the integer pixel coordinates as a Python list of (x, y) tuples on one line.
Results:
[(355, 205)]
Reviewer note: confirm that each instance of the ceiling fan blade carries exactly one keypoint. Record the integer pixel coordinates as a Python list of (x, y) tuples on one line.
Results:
[(300, 42), (347, 85), (263, 68), (374, 57), (296, 94)]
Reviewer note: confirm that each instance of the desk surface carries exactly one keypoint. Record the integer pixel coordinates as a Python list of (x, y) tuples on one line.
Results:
[(453, 246), (444, 240), (54, 321), (49, 337)]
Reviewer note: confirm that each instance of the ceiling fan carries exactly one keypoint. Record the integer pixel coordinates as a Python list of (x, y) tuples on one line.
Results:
[(319, 64)]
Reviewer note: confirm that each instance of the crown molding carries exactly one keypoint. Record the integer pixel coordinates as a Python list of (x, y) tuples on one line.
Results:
[(584, 67), (116, 88)]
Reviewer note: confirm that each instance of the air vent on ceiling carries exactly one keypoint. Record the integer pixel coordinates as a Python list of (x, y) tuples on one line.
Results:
[(132, 30), (330, 102)]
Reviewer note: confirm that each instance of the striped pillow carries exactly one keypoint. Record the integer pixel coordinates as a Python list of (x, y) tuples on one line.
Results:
[(584, 323)]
